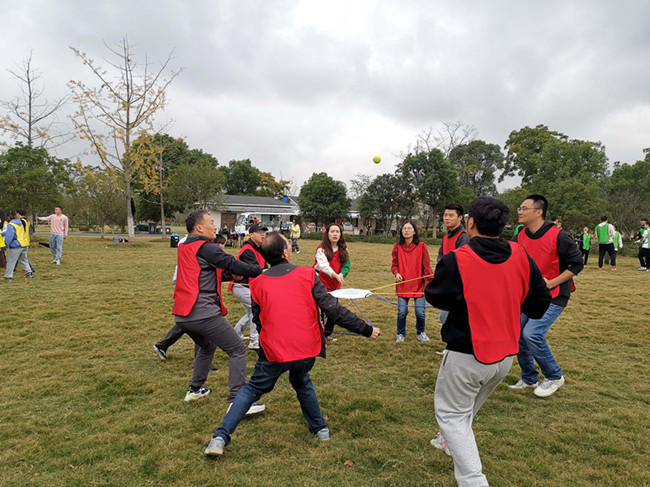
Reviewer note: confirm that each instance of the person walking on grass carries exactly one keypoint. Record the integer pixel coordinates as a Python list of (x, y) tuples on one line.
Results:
[(58, 232), (288, 343), (486, 286), (332, 264), (644, 250), (16, 238), (294, 234), (605, 235), (250, 254), (557, 256), (585, 244), (411, 267), (198, 307)]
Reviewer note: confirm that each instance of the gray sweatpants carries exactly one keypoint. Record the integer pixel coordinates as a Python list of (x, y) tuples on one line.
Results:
[(243, 293), (462, 387), (18, 256), (209, 334)]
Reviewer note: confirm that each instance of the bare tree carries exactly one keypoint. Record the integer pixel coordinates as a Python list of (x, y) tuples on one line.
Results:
[(111, 115), (29, 116), (450, 136)]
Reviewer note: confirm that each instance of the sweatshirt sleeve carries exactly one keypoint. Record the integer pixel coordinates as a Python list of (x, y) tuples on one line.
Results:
[(394, 268), (322, 264), (345, 267), (216, 257), (426, 264), (445, 290)]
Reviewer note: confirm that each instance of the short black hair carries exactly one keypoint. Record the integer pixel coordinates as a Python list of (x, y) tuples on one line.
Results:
[(59, 207), (603, 218), (273, 247), (195, 217), (539, 200), (220, 239), (456, 207), (554, 218), (21, 212), (490, 215), (644, 220)]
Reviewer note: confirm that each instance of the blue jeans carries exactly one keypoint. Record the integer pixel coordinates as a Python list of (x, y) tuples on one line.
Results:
[(532, 345), (403, 311), (443, 316), (262, 381), (56, 246)]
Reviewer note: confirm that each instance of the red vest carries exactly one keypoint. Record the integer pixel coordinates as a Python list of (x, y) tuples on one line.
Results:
[(494, 294), (449, 244), (187, 279), (330, 283), (543, 251), (258, 256), (410, 267), (289, 315)]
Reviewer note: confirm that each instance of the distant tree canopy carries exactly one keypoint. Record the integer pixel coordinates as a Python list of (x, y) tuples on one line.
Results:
[(323, 199)]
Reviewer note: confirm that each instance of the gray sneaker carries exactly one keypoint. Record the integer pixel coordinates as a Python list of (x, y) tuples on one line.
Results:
[(423, 337), (254, 345), (323, 434), (400, 338), (548, 387), (522, 385), (215, 447)]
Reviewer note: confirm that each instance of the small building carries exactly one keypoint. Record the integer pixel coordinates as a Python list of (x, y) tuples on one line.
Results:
[(235, 210)]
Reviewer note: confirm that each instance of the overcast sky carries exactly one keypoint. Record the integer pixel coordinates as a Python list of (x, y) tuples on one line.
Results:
[(310, 86)]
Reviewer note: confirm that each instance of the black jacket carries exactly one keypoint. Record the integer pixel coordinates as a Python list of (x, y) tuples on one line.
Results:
[(445, 291)]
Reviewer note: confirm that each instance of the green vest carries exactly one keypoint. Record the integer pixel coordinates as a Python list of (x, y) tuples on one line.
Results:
[(586, 241), (617, 235), (602, 232)]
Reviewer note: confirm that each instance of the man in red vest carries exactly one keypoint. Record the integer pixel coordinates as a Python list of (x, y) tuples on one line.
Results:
[(288, 343), (559, 259), (198, 308), (485, 285), (455, 238), (250, 254)]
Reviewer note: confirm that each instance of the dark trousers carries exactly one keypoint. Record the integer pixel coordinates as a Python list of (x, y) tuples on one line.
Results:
[(328, 325), (644, 257), (585, 255), (209, 334), (173, 335), (606, 249)]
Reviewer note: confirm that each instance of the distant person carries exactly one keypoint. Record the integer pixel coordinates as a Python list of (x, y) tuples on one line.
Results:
[(3, 246), (641, 238), (294, 234), (605, 236), (556, 221), (198, 307), (332, 264), (559, 260), (618, 239), (486, 286), (58, 232), (585, 244), (518, 229), (368, 228), (411, 266), (644, 250), (250, 254), (288, 342), (16, 238)]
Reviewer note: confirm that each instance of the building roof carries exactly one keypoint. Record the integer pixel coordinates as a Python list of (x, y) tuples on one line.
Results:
[(258, 204)]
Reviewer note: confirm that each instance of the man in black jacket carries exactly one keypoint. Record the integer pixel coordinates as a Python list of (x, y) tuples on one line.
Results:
[(485, 285), (287, 342)]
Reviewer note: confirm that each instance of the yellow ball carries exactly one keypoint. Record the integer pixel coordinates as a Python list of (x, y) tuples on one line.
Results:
[(376, 159)]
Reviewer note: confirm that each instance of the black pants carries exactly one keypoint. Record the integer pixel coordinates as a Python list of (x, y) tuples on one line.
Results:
[(328, 325), (606, 249), (585, 255), (172, 336), (644, 257)]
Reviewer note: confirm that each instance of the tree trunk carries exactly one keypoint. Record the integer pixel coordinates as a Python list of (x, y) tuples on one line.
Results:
[(162, 203), (129, 215), (435, 221)]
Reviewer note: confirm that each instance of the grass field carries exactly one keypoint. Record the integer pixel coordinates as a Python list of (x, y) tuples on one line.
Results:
[(86, 402)]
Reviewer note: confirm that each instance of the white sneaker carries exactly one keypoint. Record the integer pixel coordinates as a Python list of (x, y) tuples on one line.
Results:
[(423, 337), (548, 387), (253, 409), (215, 447), (400, 338), (440, 443), (522, 385), (58, 262), (194, 395), (254, 345)]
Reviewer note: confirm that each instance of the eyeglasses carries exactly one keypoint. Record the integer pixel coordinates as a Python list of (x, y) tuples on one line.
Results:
[(521, 209)]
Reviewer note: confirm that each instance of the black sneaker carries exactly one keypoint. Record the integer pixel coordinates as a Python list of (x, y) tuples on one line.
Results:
[(161, 353)]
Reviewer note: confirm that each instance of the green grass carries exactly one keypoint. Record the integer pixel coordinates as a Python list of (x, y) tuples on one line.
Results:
[(85, 401)]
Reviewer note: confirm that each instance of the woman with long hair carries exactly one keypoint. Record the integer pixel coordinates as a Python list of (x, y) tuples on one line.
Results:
[(412, 270), (332, 264)]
